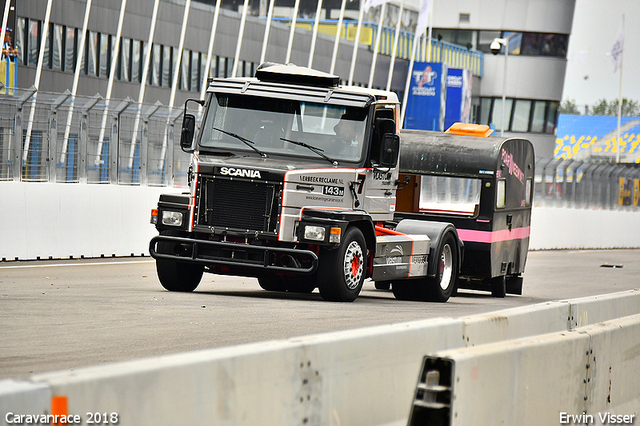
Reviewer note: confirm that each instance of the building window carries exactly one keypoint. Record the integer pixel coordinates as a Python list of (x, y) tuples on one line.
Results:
[(521, 43), (521, 115), (184, 70), (18, 39), (125, 63), (33, 35), (229, 66), (552, 117), (58, 48), (105, 55), (91, 55), (496, 116), (156, 65), (47, 59), (70, 49), (539, 113), (195, 71), (136, 51), (167, 53)]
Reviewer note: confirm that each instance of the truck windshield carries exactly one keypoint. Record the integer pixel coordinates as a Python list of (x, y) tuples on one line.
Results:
[(336, 131)]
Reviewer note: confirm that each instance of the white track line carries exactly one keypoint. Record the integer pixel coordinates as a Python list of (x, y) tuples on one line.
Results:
[(56, 265)]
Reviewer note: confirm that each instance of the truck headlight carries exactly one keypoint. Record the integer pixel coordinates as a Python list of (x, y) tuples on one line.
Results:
[(315, 233), (170, 218)]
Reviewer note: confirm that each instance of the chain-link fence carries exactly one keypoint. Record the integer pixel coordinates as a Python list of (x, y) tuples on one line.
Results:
[(90, 140)]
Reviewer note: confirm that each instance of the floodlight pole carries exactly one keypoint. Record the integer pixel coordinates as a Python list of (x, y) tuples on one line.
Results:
[(504, 42)]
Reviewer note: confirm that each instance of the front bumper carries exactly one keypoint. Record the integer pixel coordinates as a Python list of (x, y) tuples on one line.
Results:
[(233, 255)]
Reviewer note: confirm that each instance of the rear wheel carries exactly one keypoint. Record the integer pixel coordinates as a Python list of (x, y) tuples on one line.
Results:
[(440, 287), (342, 271), (177, 276), (404, 290), (498, 286)]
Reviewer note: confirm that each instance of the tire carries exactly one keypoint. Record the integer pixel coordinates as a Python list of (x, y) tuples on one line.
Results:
[(177, 276), (271, 284), (382, 285), (404, 290), (498, 286), (293, 285), (514, 284), (342, 271), (440, 287)]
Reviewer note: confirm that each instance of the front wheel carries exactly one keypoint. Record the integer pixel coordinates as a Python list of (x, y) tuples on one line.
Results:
[(293, 285), (342, 271), (176, 276)]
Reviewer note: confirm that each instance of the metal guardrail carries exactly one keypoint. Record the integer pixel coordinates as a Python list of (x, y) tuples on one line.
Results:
[(453, 55), (89, 140), (587, 185)]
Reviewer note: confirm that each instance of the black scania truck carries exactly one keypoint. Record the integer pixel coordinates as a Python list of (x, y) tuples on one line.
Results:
[(303, 184)]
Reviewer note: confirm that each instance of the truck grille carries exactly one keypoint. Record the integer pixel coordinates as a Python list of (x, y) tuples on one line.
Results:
[(238, 204)]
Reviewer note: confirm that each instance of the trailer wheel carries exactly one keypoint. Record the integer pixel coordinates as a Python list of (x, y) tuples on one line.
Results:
[(177, 276), (342, 271), (440, 287), (498, 286)]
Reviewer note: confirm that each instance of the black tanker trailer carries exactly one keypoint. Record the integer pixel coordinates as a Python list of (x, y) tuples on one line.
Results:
[(481, 185)]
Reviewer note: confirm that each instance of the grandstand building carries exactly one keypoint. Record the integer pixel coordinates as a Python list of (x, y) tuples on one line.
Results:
[(462, 30), (538, 34)]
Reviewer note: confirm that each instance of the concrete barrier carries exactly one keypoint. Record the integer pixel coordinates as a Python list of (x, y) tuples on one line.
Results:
[(589, 376), (356, 377)]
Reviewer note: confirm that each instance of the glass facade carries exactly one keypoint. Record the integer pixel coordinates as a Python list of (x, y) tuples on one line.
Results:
[(521, 115), (521, 43)]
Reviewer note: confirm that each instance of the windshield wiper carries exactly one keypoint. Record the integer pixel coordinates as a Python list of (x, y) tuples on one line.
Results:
[(313, 149), (246, 141)]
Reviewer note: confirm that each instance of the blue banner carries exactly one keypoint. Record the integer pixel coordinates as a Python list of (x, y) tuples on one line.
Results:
[(427, 96), (458, 96)]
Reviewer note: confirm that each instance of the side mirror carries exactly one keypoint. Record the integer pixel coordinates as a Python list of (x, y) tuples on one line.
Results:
[(188, 129), (389, 150)]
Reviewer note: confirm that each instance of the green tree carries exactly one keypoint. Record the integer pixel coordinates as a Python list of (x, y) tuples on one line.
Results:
[(569, 107), (630, 108)]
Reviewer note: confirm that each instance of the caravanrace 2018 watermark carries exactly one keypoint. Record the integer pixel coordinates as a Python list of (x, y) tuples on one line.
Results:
[(606, 418), (62, 419)]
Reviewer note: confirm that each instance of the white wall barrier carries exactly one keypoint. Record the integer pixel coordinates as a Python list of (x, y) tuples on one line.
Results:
[(564, 228), (367, 376), (59, 221)]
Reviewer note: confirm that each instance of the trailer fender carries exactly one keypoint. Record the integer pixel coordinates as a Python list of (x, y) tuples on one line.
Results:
[(436, 232)]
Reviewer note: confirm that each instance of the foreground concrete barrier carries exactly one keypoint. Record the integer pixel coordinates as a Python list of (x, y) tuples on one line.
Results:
[(356, 377), (589, 376)]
